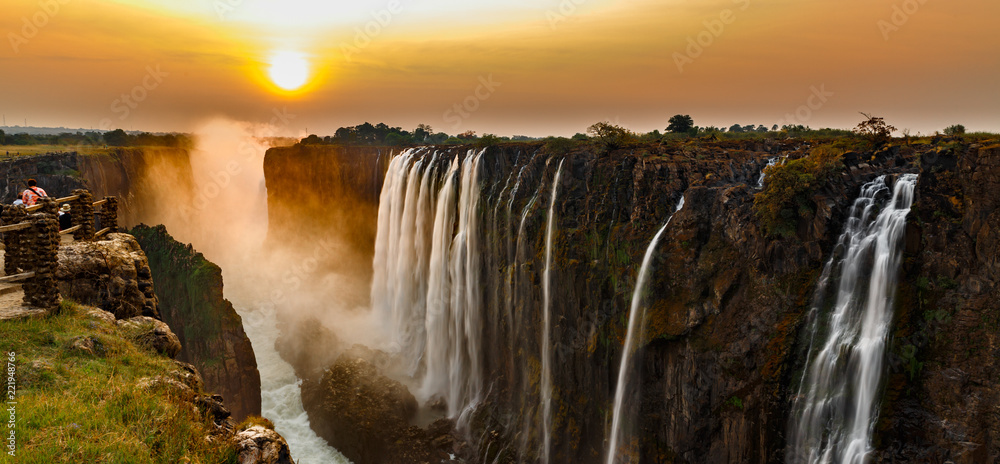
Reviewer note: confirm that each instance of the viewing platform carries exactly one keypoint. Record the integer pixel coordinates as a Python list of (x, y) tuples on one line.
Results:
[(31, 240)]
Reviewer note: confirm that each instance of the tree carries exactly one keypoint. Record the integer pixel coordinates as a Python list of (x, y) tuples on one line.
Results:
[(875, 130), (611, 136), (736, 128), (313, 139), (395, 139), (680, 124), (957, 129), (3, 138), (116, 138), (422, 131)]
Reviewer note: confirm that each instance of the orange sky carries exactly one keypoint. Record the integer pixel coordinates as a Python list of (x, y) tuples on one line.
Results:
[(557, 66)]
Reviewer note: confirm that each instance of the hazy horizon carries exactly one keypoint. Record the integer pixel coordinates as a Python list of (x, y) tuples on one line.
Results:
[(512, 68)]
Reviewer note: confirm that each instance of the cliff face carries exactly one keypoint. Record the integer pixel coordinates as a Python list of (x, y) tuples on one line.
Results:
[(189, 289), (725, 301), (723, 342), (127, 173), (331, 193), (942, 401)]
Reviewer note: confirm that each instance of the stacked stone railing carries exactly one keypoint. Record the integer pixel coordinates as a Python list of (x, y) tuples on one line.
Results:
[(31, 238)]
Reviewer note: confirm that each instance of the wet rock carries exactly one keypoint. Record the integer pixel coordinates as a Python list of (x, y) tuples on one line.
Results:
[(366, 415)]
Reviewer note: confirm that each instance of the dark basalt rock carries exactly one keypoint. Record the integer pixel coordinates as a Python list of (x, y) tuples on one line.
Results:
[(366, 415), (723, 341)]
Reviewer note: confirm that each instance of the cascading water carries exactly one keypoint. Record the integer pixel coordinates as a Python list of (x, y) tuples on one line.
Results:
[(426, 283), (637, 313), (763, 172), (834, 412), (547, 324)]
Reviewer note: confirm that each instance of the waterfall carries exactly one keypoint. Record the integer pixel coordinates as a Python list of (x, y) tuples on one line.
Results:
[(632, 339), (547, 324), (763, 172), (835, 410), (426, 285)]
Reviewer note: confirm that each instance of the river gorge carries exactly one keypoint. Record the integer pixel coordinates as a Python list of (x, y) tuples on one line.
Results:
[(574, 304)]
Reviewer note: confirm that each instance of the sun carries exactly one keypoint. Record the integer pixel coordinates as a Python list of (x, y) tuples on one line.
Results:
[(289, 69)]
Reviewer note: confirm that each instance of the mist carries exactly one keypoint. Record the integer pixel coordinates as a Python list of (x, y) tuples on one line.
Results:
[(218, 202)]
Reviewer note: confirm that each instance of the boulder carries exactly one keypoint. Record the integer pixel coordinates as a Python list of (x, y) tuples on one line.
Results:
[(261, 445), (111, 274), (151, 333)]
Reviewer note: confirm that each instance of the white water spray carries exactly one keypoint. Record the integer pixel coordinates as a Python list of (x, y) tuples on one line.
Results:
[(281, 395), (547, 324), (836, 409), (637, 312)]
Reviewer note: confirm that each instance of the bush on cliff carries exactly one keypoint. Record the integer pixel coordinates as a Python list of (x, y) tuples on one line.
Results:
[(611, 137), (788, 190), (75, 404)]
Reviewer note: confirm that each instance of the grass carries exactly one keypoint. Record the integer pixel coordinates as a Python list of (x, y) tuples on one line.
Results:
[(76, 407), (27, 150)]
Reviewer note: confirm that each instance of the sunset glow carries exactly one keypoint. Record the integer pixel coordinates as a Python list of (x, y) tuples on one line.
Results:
[(560, 65), (289, 70)]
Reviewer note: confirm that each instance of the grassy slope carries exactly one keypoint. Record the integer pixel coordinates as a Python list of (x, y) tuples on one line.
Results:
[(76, 407)]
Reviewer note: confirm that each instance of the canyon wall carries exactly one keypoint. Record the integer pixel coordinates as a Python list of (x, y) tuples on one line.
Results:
[(723, 342), (942, 399), (189, 288)]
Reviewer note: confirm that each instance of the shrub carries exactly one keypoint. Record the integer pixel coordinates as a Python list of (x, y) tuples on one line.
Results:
[(788, 189), (957, 129), (560, 145), (487, 140), (610, 136), (875, 130), (252, 421)]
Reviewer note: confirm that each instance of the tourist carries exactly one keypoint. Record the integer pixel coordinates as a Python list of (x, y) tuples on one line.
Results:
[(31, 195), (65, 219)]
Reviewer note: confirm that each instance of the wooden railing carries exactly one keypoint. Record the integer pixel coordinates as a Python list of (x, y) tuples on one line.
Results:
[(31, 238)]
